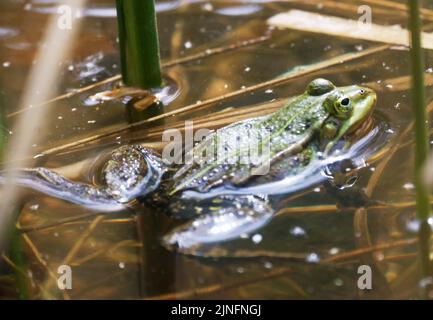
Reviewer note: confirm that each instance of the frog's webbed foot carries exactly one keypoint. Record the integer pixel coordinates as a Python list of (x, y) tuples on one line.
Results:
[(243, 215), (129, 172)]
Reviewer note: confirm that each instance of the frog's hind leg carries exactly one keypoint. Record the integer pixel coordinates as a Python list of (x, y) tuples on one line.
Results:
[(129, 172), (51, 183), (229, 218)]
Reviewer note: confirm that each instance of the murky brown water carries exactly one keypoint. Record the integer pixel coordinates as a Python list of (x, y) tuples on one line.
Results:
[(119, 255)]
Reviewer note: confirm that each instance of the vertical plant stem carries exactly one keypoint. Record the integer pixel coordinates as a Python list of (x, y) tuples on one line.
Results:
[(421, 131), (139, 46), (3, 129)]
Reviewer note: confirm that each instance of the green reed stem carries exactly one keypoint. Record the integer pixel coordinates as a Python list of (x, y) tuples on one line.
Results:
[(421, 130), (3, 130), (139, 46)]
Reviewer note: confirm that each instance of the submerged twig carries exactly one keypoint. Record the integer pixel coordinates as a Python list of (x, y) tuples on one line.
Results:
[(218, 288), (86, 234)]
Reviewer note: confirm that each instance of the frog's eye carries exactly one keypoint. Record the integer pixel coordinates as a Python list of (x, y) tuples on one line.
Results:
[(343, 108), (320, 86)]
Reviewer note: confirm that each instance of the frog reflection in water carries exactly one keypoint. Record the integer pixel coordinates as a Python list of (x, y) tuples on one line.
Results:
[(220, 200)]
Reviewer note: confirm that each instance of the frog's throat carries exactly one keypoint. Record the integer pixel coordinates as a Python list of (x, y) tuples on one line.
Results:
[(359, 132)]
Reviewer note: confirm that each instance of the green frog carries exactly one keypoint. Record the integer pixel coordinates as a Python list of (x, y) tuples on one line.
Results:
[(225, 185)]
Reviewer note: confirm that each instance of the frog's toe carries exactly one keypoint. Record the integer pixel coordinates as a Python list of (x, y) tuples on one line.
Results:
[(245, 215)]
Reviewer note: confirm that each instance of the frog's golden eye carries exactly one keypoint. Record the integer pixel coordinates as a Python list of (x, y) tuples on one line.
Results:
[(343, 108)]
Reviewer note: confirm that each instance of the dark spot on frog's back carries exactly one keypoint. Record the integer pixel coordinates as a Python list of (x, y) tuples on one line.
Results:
[(320, 86)]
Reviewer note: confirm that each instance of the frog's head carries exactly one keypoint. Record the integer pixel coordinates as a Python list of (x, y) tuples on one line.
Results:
[(349, 108)]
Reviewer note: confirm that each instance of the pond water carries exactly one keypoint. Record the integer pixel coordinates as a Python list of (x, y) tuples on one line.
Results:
[(311, 249)]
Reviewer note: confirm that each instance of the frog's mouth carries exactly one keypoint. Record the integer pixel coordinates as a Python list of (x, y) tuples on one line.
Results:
[(363, 129)]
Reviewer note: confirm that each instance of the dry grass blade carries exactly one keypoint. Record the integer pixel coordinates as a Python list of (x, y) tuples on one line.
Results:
[(86, 234), (425, 13), (189, 294), (187, 59), (108, 251), (335, 26), (298, 72), (218, 288), (34, 250), (362, 251)]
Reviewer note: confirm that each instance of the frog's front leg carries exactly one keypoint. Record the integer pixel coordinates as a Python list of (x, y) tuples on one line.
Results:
[(228, 217), (130, 171)]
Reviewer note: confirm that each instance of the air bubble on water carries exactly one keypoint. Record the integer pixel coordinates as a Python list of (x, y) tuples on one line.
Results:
[(240, 270), (60, 117), (74, 109), (359, 47), (244, 236), (313, 258), (71, 67), (268, 265), (91, 121), (56, 234), (429, 70), (257, 238), (391, 131), (207, 6), (297, 232), (338, 282), (379, 256), (397, 105), (28, 6), (413, 225), (408, 186), (243, 87), (269, 91), (122, 265), (188, 45), (34, 207), (317, 190), (426, 287), (226, 86), (247, 69), (334, 251), (389, 86), (6, 64)]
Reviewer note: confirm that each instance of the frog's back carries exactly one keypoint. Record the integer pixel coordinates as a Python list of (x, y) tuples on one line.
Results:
[(233, 154)]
